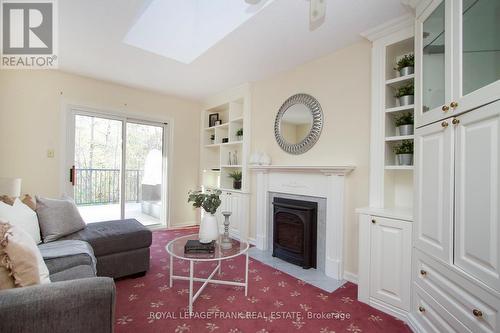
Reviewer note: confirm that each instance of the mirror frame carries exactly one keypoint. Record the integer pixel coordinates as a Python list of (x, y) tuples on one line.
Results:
[(317, 126)]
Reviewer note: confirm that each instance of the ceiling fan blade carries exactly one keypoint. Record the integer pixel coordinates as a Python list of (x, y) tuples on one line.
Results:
[(317, 13)]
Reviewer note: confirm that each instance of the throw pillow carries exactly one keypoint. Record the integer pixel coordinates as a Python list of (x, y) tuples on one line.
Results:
[(58, 218), (23, 217), (6, 279), (21, 257)]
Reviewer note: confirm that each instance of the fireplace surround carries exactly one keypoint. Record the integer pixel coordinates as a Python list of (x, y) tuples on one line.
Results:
[(325, 183)]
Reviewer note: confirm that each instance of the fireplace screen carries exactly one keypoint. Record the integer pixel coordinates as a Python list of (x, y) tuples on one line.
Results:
[(295, 231)]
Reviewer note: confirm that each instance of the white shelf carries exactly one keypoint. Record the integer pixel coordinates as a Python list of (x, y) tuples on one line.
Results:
[(401, 108), (400, 81), (213, 145), (236, 119), (399, 138), (232, 143), (218, 126), (399, 167), (232, 166)]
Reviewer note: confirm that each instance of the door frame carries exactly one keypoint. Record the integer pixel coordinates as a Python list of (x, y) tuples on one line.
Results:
[(69, 110)]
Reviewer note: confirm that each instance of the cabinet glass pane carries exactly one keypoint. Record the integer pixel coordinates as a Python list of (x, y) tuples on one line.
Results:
[(433, 67), (481, 44)]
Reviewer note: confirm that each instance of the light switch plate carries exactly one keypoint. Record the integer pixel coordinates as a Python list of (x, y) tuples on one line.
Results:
[(50, 153)]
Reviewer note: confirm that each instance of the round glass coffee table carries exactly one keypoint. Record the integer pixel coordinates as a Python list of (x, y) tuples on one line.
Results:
[(176, 249)]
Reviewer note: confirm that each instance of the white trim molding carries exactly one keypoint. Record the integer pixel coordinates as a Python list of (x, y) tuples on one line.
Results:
[(317, 181)]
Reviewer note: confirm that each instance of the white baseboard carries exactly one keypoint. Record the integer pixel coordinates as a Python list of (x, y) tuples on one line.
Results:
[(351, 277)]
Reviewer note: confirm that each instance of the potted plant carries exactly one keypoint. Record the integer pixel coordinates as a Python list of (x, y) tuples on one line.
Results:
[(212, 138), (239, 134), (406, 65), (209, 201), (405, 94), (404, 123), (236, 175), (404, 152)]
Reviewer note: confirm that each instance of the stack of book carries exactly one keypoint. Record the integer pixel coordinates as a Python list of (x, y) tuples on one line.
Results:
[(193, 246)]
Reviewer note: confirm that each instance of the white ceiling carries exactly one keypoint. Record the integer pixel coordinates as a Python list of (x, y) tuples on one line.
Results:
[(277, 38)]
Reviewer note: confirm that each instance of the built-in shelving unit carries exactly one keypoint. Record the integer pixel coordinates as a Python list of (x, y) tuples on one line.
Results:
[(223, 151)]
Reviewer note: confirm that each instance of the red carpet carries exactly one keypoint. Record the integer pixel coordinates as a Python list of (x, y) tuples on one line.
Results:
[(276, 302)]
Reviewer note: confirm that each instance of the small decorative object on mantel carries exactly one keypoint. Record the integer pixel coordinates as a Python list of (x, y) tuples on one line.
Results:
[(259, 158), (225, 140), (209, 201), (212, 118), (405, 65), (194, 246), (239, 134), (237, 176), (404, 123), (218, 122), (255, 158), (404, 152), (226, 242), (212, 138), (405, 94)]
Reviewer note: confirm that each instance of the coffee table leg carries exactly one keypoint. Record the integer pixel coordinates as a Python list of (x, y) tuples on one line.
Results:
[(246, 275), (220, 267), (191, 269), (171, 269)]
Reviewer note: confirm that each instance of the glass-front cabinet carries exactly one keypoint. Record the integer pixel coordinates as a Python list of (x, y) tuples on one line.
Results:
[(457, 57)]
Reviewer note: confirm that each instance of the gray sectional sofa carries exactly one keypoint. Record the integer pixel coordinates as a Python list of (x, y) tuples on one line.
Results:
[(81, 296)]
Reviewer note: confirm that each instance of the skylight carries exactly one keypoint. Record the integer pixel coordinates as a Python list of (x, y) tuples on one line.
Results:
[(185, 29)]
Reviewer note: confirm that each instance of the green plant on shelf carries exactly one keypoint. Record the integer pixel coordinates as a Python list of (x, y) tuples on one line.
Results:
[(404, 119), (235, 175), (209, 200), (405, 147), (239, 132), (405, 90), (407, 61)]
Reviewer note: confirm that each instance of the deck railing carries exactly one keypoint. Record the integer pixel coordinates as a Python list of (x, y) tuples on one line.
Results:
[(102, 186)]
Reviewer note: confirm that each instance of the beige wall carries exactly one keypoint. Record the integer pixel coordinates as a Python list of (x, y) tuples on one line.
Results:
[(341, 83), (30, 124)]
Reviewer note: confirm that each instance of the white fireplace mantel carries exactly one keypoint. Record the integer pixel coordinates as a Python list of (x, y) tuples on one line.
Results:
[(317, 181), (327, 170)]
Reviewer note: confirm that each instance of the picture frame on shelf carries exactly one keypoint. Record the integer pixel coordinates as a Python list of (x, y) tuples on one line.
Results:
[(212, 119)]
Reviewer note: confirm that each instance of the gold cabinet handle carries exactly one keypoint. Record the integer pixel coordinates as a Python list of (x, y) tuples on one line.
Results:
[(445, 108), (373, 221), (455, 121), (477, 313), (421, 309), (444, 124), (423, 273), (454, 105)]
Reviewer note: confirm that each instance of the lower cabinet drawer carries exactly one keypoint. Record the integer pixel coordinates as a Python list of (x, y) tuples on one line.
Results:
[(476, 308), (432, 317)]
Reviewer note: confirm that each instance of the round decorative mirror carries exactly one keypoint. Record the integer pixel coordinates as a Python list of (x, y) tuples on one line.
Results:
[(298, 124)]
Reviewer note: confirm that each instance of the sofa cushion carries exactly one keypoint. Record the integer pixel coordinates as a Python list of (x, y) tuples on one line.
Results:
[(22, 216), (114, 236), (73, 273), (65, 254), (58, 218), (20, 255)]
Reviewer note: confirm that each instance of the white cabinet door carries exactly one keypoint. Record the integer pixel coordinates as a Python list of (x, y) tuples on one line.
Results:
[(434, 189), (390, 267), (433, 63), (477, 195)]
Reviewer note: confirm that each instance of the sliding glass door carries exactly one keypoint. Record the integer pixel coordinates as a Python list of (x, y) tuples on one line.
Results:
[(117, 168)]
